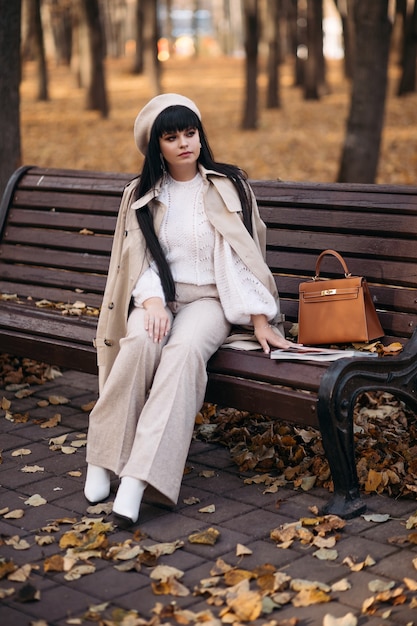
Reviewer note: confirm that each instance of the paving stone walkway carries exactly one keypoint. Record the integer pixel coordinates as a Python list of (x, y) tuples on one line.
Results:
[(242, 515)]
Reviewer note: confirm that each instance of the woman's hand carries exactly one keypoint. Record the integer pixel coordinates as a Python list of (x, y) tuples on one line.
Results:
[(157, 320), (267, 336)]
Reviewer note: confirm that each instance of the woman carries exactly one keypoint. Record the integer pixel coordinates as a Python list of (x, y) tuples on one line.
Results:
[(187, 264)]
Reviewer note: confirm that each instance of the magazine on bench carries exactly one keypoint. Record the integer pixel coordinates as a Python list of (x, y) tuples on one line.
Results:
[(307, 353)]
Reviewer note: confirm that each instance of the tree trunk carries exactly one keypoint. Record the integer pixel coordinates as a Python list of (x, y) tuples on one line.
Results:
[(39, 49), (274, 11), (152, 65), (364, 127), (251, 30), (314, 80), (96, 97), (345, 9), (409, 56), (61, 28), (138, 64), (10, 149), (297, 25)]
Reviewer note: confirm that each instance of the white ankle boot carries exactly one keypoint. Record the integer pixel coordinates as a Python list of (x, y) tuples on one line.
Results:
[(97, 484), (128, 499)]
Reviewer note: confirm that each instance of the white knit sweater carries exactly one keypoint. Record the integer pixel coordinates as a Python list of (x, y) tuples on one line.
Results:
[(199, 255)]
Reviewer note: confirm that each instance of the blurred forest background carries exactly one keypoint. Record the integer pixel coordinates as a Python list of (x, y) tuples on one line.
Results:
[(316, 90)]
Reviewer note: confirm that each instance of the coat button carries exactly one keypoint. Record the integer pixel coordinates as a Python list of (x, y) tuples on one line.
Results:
[(111, 305), (108, 342)]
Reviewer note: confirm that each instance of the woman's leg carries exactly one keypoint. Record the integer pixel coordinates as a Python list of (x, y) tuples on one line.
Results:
[(166, 424), (112, 422)]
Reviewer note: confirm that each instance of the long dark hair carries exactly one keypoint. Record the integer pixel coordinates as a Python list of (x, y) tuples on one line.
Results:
[(172, 119)]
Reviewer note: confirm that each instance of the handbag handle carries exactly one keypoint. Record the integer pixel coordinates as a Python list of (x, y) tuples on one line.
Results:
[(338, 257)]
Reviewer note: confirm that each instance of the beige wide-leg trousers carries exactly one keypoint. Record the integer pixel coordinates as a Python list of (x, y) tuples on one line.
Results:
[(143, 421)]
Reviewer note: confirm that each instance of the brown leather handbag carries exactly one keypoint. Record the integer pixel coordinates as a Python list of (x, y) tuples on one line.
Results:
[(336, 310)]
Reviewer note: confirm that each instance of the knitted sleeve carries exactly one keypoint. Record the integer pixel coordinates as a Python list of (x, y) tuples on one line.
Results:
[(148, 286), (240, 292)]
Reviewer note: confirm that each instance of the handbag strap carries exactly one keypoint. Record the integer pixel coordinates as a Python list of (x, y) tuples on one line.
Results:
[(338, 257)]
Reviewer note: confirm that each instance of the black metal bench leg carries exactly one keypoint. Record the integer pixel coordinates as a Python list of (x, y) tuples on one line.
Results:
[(336, 426), (341, 384)]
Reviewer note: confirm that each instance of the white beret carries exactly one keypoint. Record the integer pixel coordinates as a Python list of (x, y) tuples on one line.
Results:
[(147, 116)]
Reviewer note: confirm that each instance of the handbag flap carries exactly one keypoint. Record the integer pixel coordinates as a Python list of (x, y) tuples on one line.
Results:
[(333, 289)]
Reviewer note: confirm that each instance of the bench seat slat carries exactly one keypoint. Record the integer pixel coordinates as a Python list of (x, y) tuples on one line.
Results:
[(261, 367), (48, 323)]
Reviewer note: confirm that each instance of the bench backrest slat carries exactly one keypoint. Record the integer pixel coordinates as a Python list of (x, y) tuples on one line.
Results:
[(43, 239), (71, 221)]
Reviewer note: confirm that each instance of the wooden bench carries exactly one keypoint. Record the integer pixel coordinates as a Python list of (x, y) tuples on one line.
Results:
[(56, 231)]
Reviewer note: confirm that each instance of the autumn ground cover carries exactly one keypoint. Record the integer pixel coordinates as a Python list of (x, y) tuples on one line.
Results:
[(301, 141)]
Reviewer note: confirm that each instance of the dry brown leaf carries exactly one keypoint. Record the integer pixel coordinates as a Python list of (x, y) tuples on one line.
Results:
[(357, 567), (308, 597), (58, 441), (341, 585), (411, 584), (6, 593), (165, 572), (58, 400), (159, 549), (35, 500), (206, 537), (21, 452), (15, 514), (52, 422), (21, 574), (242, 550), (246, 606), (235, 576), (5, 404), (347, 620), (211, 508), (88, 407), (32, 469), (17, 543), (68, 450), (170, 587), (54, 563), (7, 567), (44, 540), (79, 570)]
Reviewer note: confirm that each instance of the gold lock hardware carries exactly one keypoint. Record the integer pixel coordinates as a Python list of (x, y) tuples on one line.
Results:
[(328, 292)]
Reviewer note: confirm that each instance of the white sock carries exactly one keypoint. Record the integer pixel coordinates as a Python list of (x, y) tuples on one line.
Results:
[(97, 483), (129, 497)]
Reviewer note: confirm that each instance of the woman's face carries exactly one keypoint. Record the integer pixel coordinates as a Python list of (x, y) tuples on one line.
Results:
[(181, 149)]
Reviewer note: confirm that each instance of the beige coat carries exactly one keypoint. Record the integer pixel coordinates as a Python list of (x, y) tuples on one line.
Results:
[(129, 258)]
